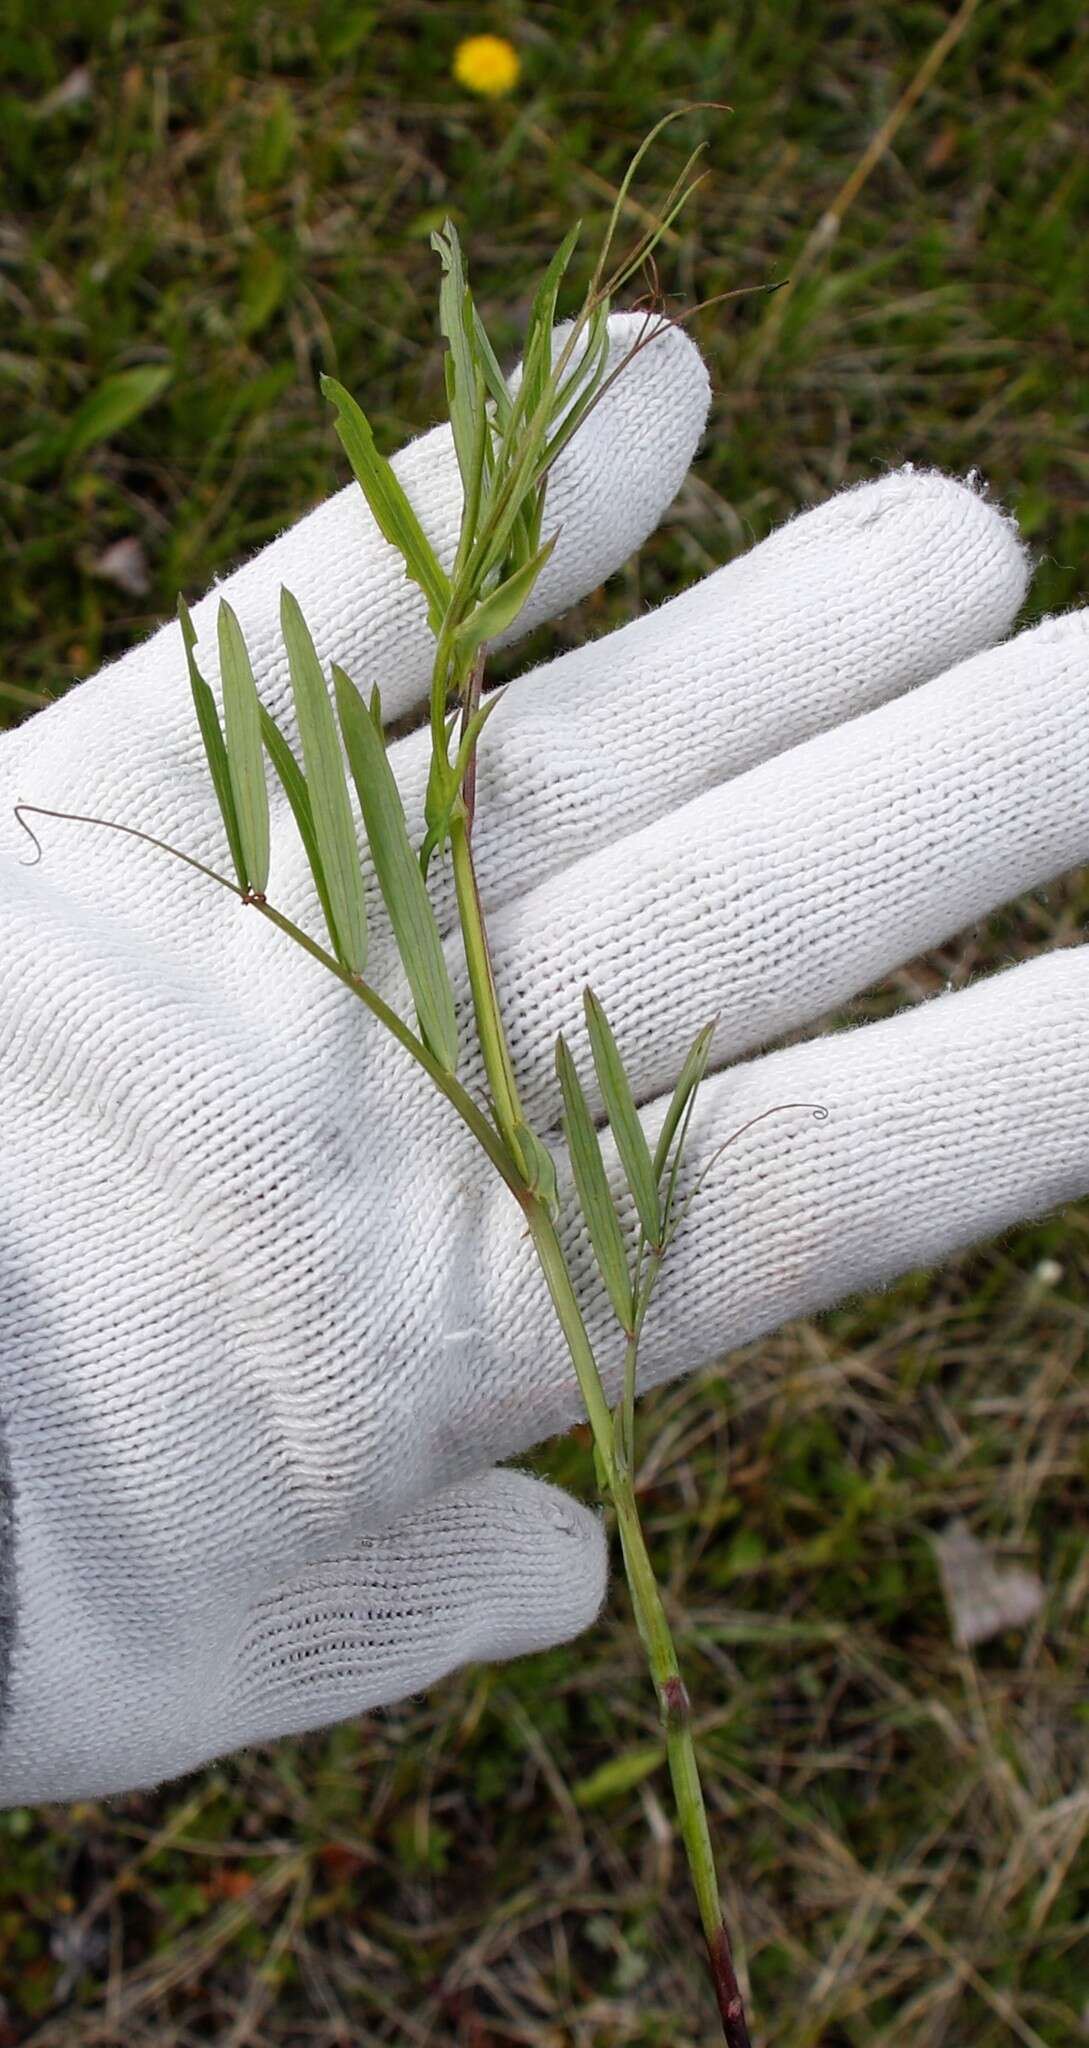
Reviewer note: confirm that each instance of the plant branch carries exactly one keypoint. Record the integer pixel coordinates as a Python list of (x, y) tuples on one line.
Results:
[(676, 1712), (457, 1096)]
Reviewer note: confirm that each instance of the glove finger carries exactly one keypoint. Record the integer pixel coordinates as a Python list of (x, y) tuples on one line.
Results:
[(945, 1125), (130, 732), (496, 1568), (842, 609), (813, 875)]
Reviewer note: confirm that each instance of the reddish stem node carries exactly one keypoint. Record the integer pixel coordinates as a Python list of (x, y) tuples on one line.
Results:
[(731, 2005), (675, 1702)]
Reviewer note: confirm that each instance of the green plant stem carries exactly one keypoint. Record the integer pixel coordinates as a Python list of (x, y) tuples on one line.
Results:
[(653, 1626), (617, 1471), (676, 1713)]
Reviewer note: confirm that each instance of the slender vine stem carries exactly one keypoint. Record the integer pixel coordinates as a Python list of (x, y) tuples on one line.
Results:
[(653, 1625), (676, 1713)]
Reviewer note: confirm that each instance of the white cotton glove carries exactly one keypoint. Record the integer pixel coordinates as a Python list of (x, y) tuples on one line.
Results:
[(269, 1319)]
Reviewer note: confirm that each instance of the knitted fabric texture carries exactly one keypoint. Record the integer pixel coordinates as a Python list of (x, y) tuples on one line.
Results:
[(270, 1319), (173, 1374)]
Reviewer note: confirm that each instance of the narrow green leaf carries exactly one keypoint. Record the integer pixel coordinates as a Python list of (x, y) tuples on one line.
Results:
[(458, 326), (438, 807), (501, 607), (623, 1116), (691, 1075), (593, 1189), (214, 746), (585, 359), (525, 536), (393, 515), (113, 403), (537, 354), (245, 759), (539, 1167), (298, 796), (669, 1218), (580, 391), (471, 736), (398, 871), (619, 1774), (495, 382), (479, 461), (516, 488), (445, 780), (334, 825), (533, 406)]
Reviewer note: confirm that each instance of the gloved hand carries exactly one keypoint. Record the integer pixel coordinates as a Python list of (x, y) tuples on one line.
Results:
[(269, 1319)]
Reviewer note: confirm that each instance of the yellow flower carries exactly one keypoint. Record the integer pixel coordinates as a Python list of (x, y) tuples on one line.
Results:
[(487, 65)]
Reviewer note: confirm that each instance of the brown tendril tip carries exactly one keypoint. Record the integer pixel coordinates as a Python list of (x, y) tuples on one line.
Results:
[(30, 833)]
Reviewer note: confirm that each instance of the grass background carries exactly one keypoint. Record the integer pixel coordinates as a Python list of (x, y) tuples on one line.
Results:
[(904, 1827)]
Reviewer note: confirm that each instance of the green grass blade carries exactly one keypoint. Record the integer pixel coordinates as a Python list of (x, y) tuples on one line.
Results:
[(500, 609), (688, 1081), (245, 758), (298, 796), (624, 1120), (392, 513), (398, 870), (113, 403), (215, 746), (592, 1186), (619, 1774), (331, 808)]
